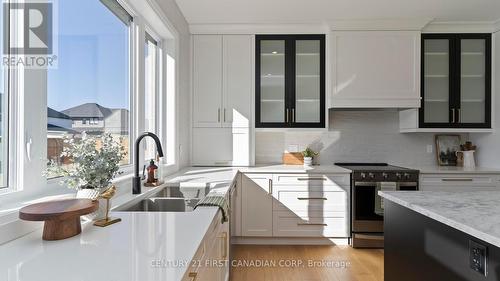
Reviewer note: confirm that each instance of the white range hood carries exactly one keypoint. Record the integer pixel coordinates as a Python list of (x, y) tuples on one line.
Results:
[(375, 69)]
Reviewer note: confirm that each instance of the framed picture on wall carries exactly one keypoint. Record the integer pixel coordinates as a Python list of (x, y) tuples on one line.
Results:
[(446, 149)]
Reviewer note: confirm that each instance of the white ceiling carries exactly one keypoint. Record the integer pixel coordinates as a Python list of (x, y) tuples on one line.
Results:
[(316, 11)]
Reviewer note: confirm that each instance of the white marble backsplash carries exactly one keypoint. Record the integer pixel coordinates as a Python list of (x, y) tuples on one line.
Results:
[(353, 136)]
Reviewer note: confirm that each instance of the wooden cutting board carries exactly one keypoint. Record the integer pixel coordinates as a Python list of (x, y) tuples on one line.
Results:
[(293, 158)]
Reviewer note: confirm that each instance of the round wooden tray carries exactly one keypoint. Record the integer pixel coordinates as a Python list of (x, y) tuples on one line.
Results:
[(62, 217)]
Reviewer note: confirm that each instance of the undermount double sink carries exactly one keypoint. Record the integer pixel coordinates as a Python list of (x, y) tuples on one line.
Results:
[(168, 199)]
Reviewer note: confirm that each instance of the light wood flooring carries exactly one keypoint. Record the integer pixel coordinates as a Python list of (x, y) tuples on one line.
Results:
[(275, 263)]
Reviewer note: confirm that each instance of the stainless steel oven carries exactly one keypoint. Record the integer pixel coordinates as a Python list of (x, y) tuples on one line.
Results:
[(367, 207)]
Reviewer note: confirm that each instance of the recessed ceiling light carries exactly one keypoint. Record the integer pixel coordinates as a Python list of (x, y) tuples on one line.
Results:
[(269, 74), (274, 52)]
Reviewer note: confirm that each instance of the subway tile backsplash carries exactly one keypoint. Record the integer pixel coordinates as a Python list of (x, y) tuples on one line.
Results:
[(353, 136)]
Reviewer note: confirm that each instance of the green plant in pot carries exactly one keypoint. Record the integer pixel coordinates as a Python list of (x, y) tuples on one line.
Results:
[(308, 156), (94, 161)]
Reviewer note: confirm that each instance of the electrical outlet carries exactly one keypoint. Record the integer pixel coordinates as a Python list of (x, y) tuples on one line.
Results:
[(429, 148), (478, 257)]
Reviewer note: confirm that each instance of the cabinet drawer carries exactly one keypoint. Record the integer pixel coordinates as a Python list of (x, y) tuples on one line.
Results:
[(459, 180), (194, 266), (312, 180), (310, 201), (295, 226)]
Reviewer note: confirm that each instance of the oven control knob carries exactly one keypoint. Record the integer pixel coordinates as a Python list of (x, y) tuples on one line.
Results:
[(371, 175), (399, 176), (385, 176), (363, 175)]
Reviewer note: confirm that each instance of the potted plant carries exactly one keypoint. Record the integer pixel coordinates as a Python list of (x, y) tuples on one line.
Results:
[(308, 156), (94, 161)]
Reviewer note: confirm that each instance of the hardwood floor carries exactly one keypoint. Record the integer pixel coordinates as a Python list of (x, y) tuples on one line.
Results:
[(275, 263)]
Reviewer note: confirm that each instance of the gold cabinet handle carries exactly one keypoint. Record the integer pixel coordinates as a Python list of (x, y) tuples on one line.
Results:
[(270, 186), (193, 276), (314, 224), (224, 245), (312, 198), (459, 113), (293, 114), (311, 179), (463, 179), (286, 116), (453, 115)]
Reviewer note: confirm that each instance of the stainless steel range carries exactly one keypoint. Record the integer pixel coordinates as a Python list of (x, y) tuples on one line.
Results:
[(367, 207)]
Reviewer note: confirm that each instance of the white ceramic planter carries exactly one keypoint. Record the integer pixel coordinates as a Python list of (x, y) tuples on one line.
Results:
[(93, 194), (308, 161)]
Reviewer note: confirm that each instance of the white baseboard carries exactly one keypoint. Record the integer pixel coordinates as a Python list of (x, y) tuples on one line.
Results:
[(289, 241)]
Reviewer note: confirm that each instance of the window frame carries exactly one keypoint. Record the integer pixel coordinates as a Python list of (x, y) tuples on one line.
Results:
[(21, 138), (150, 35)]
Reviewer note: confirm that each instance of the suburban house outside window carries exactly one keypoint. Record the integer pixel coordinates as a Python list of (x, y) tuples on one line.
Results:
[(89, 91)]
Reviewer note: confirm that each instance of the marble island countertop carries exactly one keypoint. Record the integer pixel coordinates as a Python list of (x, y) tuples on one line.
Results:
[(476, 213)]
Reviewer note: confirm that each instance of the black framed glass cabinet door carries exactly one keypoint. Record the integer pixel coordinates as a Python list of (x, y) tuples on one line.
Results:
[(456, 81), (290, 81)]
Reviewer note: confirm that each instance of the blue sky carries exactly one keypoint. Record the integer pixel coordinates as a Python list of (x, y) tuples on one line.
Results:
[(92, 57)]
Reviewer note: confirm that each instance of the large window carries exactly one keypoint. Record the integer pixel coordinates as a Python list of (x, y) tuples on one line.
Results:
[(89, 91), (151, 67)]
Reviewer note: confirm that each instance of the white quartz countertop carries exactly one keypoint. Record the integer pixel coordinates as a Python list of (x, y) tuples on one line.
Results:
[(475, 213), (455, 170), (127, 250), (280, 168)]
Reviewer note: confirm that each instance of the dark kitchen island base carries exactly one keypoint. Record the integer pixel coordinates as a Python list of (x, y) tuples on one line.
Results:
[(419, 248)]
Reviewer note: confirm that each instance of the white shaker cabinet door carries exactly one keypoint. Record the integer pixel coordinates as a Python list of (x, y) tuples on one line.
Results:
[(212, 147), (257, 205), (207, 81), (238, 61), (373, 69)]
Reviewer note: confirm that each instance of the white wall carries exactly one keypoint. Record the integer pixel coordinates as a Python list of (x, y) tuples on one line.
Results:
[(488, 151), (354, 136), (175, 16)]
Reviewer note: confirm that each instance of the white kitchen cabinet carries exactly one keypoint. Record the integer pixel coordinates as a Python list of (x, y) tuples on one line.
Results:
[(207, 80), (311, 205), (459, 182), (212, 146), (221, 147), (295, 205), (375, 69), (257, 205), (236, 206), (222, 80), (211, 261), (237, 90), (222, 99)]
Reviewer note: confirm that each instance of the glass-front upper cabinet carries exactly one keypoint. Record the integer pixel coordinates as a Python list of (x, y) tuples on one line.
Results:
[(456, 81), (290, 81)]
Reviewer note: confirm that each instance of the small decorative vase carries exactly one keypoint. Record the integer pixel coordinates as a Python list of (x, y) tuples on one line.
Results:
[(308, 161), (93, 193), (469, 161)]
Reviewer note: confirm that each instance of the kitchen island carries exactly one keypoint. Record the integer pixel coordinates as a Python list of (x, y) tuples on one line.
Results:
[(442, 235)]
